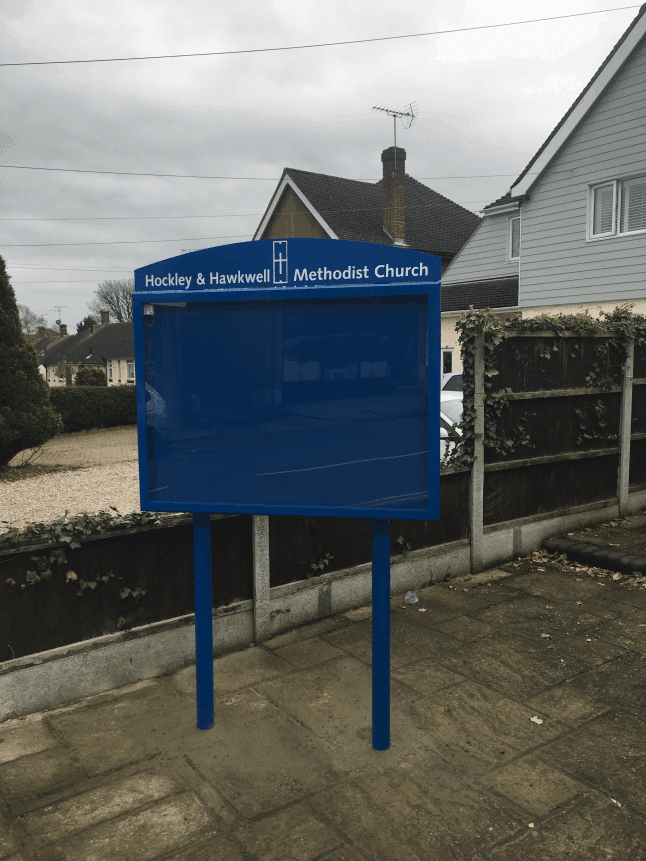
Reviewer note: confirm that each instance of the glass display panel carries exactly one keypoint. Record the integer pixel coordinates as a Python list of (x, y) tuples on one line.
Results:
[(288, 403)]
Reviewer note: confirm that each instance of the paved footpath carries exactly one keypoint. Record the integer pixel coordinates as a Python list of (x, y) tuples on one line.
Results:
[(518, 734)]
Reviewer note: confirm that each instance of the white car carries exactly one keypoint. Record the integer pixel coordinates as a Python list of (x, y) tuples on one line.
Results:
[(450, 417)]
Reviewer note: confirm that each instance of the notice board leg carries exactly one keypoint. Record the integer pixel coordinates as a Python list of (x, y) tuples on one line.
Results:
[(381, 634), (203, 618)]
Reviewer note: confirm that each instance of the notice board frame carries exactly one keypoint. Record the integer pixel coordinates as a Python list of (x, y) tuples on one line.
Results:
[(428, 289)]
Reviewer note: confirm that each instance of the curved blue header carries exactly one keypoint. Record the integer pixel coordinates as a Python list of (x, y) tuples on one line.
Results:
[(289, 263)]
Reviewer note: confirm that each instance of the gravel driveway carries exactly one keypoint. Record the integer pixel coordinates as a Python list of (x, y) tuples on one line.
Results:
[(108, 475)]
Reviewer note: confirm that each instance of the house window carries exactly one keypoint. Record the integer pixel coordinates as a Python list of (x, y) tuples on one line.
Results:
[(131, 370), (514, 238), (618, 208), (447, 361), (633, 205), (603, 209), (110, 372)]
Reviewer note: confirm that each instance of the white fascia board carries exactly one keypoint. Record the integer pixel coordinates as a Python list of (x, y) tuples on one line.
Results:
[(506, 310), (502, 209), (587, 102), (285, 182)]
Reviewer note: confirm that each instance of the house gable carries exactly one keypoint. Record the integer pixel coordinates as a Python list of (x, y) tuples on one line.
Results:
[(292, 216), (354, 210), (601, 139), (562, 262), (596, 88)]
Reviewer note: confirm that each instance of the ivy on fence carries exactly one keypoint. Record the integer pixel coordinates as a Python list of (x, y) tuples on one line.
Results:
[(621, 324)]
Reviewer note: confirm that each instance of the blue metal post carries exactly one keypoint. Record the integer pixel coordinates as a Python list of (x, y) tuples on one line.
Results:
[(203, 618), (381, 634)]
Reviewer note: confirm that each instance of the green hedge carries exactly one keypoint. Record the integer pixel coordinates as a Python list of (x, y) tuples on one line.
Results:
[(87, 407)]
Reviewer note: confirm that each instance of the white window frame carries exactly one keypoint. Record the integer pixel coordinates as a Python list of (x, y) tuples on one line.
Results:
[(445, 350), (130, 364), (618, 200), (591, 200), (110, 373), (510, 229), (620, 206)]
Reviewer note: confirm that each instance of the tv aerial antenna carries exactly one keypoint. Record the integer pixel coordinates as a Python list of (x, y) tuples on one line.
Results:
[(407, 117), (58, 308)]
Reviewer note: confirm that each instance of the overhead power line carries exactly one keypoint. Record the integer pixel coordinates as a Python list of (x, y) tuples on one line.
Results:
[(216, 215), (212, 176), (318, 44), (51, 268), (123, 241)]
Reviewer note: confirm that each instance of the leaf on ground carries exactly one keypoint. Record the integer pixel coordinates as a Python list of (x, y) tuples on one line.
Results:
[(536, 719), (546, 636)]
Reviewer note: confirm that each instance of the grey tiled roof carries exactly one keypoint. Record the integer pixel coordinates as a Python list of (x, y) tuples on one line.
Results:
[(355, 211), (113, 341), (496, 293)]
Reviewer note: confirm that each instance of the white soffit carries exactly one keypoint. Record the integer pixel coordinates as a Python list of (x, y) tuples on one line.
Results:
[(285, 182), (501, 209), (595, 90)]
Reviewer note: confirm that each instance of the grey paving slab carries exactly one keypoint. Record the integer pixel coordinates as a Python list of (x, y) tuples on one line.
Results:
[(306, 836), (63, 819), (426, 676), (417, 815), (100, 743), (557, 588), (37, 774), (534, 785), (477, 729), (532, 617), (154, 830), (8, 844), (307, 632), (511, 664), (567, 705), (628, 631), (257, 756), (308, 652), (588, 647), (620, 683), (219, 847), (23, 738), (288, 771), (592, 828), (465, 628), (236, 670), (632, 596), (334, 700), (407, 642), (607, 752), (600, 605)]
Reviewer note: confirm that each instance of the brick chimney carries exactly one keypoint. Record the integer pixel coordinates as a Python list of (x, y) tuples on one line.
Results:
[(105, 318), (63, 328), (394, 162)]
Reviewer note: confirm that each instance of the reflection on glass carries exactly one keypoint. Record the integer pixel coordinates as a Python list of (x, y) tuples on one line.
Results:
[(290, 403)]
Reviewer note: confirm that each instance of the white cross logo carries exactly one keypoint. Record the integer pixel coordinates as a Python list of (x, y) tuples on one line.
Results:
[(280, 276)]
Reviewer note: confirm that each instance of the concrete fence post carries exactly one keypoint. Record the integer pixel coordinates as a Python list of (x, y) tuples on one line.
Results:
[(261, 594), (625, 420), (476, 485)]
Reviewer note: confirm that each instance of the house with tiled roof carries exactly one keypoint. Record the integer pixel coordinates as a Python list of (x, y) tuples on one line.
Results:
[(398, 210), (570, 234), (108, 347)]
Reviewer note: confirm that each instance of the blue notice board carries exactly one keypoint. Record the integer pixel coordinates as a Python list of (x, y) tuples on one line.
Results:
[(294, 376)]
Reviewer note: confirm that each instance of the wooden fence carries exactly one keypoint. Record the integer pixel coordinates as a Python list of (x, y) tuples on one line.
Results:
[(585, 446)]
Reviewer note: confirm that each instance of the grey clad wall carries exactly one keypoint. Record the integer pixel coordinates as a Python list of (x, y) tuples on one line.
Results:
[(485, 255), (558, 264)]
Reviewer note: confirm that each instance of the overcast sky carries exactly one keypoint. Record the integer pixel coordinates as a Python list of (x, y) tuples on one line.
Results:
[(487, 99)]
